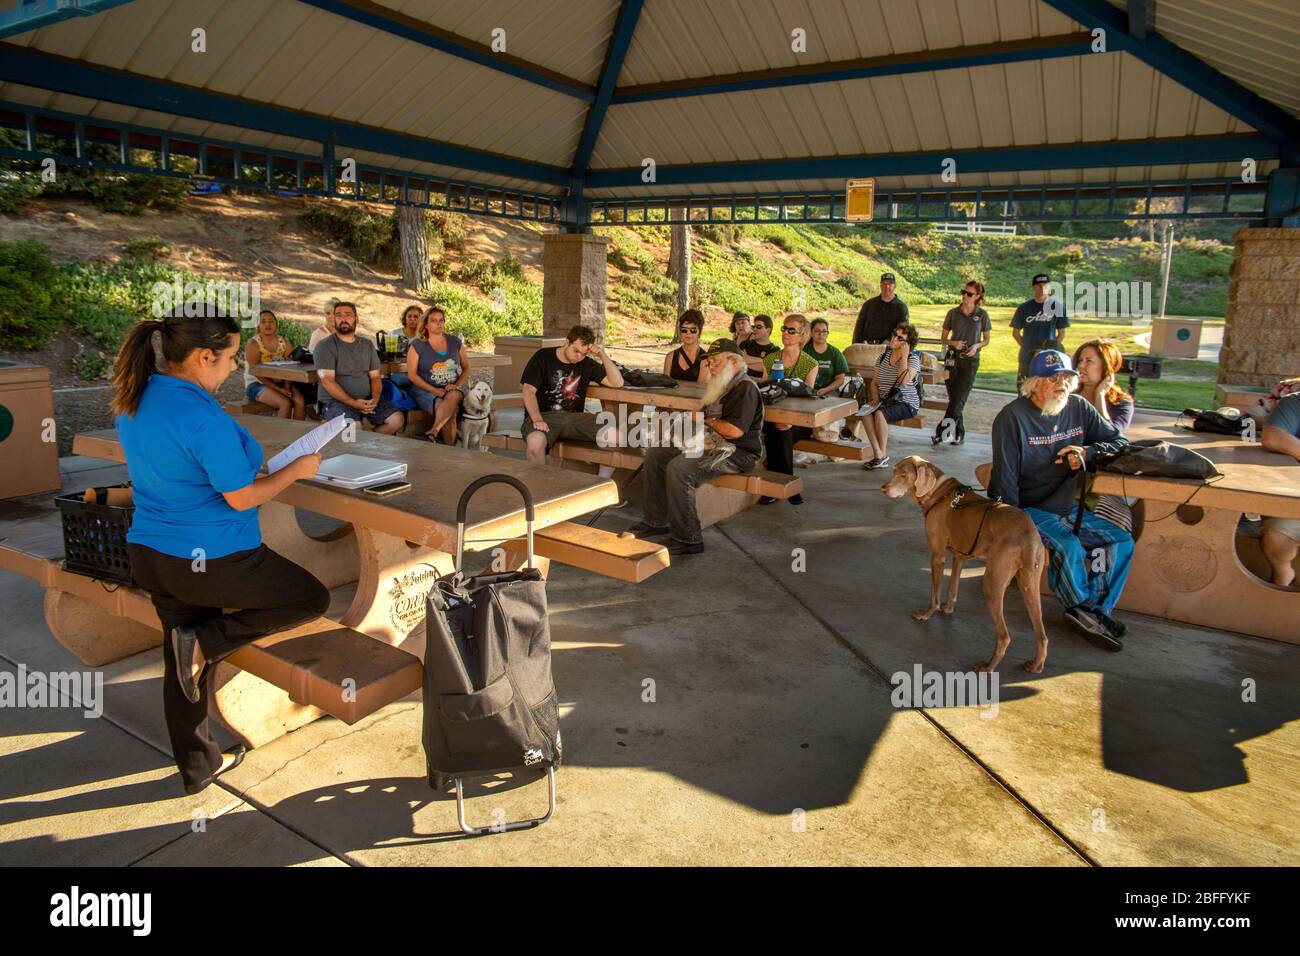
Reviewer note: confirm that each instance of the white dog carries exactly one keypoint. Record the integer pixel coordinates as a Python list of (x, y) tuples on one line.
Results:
[(477, 412)]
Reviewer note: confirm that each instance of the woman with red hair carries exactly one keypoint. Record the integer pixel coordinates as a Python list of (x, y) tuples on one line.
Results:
[(1098, 362)]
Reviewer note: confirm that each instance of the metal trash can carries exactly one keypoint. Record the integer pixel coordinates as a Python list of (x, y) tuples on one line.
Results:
[(28, 448)]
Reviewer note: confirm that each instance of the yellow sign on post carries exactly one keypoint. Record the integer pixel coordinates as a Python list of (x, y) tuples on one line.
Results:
[(859, 200)]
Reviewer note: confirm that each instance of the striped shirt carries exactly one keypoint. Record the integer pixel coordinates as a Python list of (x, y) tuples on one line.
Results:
[(887, 376)]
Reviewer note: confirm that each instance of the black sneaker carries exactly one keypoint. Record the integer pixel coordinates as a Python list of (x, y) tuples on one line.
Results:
[(766, 500), (871, 465), (1095, 632), (1118, 628), (795, 499), (935, 441), (676, 547), (643, 530)]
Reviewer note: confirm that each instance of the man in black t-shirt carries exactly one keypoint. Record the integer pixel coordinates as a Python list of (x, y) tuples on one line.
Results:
[(758, 346), (554, 386), (734, 410), (878, 317)]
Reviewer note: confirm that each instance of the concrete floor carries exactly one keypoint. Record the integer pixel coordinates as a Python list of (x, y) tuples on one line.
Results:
[(771, 738)]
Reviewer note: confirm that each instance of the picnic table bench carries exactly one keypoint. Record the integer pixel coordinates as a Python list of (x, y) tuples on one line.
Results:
[(392, 547), (724, 495)]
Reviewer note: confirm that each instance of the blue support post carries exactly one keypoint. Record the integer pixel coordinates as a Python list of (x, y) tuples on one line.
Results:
[(1282, 201)]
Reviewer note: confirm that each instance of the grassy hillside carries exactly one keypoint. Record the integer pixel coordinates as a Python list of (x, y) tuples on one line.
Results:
[(773, 268)]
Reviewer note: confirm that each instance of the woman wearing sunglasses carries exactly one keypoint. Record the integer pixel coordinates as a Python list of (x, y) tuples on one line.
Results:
[(965, 332), (686, 362), (779, 440), (893, 392)]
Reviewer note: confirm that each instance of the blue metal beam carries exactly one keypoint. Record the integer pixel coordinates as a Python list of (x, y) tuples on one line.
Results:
[(67, 135), (408, 28), (1179, 65), (31, 68), (925, 61), (1201, 199), (1157, 152), (34, 14), (628, 14)]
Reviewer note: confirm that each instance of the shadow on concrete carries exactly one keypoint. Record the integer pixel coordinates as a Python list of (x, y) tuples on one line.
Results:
[(1172, 703)]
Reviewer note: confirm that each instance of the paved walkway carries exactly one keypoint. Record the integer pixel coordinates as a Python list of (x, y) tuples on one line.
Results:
[(771, 737)]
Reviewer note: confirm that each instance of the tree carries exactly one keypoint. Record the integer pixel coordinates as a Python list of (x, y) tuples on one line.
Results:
[(679, 268), (413, 235)]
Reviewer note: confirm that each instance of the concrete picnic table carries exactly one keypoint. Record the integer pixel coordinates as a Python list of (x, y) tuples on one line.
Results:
[(688, 396), (1186, 566), (392, 547), (306, 372)]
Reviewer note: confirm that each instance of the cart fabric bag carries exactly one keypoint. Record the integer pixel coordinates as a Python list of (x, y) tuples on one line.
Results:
[(489, 699)]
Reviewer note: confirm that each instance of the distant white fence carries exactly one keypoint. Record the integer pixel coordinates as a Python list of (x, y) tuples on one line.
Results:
[(981, 228)]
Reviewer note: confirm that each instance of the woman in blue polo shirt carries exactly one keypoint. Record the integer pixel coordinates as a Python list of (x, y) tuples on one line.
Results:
[(194, 542)]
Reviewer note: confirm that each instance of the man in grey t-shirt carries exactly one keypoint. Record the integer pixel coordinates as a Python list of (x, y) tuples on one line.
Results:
[(348, 381)]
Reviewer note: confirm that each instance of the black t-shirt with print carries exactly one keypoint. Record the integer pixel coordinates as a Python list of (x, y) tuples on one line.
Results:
[(742, 406), (561, 386), (754, 350)]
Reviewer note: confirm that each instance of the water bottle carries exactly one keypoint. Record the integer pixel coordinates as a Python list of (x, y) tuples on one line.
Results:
[(381, 345), (778, 370)]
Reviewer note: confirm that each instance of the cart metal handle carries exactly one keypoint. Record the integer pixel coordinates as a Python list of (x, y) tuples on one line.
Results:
[(462, 507)]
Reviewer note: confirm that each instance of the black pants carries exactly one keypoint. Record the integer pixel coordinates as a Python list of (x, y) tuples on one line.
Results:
[(961, 379), (268, 593), (780, 446)]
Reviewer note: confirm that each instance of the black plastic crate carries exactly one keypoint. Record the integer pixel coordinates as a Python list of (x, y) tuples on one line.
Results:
[(94, 538)]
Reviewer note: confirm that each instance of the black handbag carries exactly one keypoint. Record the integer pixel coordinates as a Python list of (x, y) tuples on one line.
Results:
[(1217, 422), (489, 698), (796, 388)]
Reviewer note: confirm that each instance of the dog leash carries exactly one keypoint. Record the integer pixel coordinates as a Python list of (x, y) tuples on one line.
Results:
[(958, 492)]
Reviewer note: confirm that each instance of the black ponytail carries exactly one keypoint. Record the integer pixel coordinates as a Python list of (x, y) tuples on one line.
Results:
[(179, 337)]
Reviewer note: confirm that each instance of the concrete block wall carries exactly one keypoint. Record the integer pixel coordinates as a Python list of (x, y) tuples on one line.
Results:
[(573, 285), (1261, 340)]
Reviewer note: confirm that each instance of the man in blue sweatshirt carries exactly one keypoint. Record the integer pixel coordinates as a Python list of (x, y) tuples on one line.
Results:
[(1039, 441)]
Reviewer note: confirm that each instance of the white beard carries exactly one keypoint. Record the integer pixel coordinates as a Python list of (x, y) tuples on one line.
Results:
[(1054, 406)]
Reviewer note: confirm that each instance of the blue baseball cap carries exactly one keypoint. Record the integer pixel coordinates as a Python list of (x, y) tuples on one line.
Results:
[(1049, 362)]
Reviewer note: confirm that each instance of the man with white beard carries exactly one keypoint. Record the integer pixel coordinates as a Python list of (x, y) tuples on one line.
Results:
[(1039, 440), (733, 410)]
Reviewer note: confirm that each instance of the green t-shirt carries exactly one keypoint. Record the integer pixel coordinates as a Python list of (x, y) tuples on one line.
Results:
[(829, 363), (801, 368)]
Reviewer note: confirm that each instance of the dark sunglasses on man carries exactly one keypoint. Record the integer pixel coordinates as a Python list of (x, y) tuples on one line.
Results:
[(789, 330), (688, 330), (968, 292)]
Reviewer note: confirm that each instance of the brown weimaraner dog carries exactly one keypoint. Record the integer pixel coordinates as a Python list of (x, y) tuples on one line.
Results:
[(959, 521)]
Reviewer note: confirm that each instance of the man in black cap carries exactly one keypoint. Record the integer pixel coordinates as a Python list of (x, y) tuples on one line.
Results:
[(733, 409), (1039, 323), (878, 317)]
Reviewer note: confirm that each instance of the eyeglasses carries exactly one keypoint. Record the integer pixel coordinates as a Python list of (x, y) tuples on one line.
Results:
[(899, 337), (788, 330), (968, 292), (688, 330)]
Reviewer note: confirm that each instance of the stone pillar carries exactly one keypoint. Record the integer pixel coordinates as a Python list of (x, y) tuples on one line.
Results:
[(573, 284), (1261, 338)]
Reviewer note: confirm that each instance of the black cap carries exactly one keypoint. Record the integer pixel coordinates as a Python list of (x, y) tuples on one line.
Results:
[(887, 277), (1041, 277), (719, 346)]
